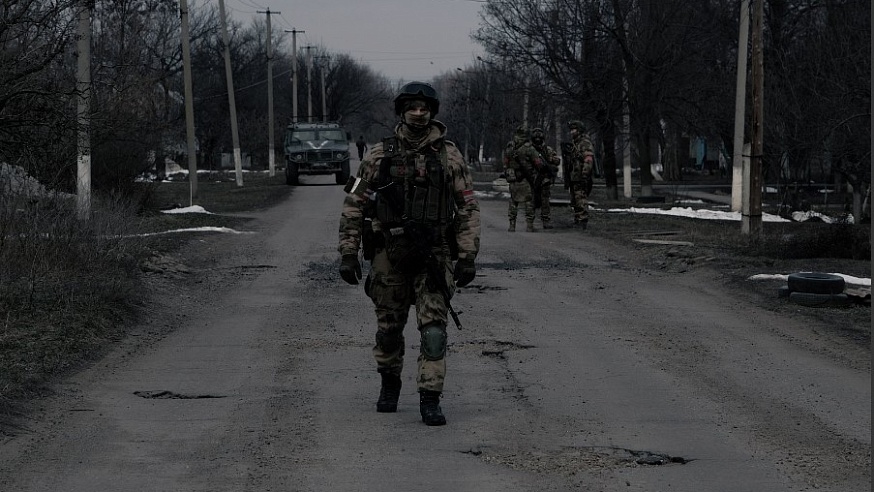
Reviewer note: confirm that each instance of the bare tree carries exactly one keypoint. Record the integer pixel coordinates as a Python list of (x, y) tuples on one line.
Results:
[(36, 83)]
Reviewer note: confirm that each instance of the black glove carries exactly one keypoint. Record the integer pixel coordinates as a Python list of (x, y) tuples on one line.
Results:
[(465, 271), (350, 269)]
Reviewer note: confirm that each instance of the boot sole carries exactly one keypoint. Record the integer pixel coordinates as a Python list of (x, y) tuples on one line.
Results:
[(386, 408)]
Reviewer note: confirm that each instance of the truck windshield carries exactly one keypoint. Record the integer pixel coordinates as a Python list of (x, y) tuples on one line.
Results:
[(336, 135), (317, 135)]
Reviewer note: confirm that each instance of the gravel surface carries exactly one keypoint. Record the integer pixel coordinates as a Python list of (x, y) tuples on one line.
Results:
[(587, 362)]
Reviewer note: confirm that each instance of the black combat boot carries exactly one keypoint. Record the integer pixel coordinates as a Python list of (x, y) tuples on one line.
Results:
[(429, 406), (389, 393)]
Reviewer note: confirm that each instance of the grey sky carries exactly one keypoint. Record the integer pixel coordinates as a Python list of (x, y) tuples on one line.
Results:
[(402, 39)]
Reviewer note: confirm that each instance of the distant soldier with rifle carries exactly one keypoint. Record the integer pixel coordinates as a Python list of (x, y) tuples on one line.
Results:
[(520, 163), (412, 211), (546, 174), (579, 156)]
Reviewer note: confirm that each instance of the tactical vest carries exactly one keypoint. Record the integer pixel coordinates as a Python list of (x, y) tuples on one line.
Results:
[(413, 187), (515, 172)]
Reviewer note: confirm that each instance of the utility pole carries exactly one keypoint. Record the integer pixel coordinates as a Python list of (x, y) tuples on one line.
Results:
[(626, 136), (324, 93), (525, 104), (466, 80), (294, 73), (752, 212), (467, 121), (740, 108), (235, 136), (189, 102), (270, 143), (309, 83), (83, 112), (488, 112)]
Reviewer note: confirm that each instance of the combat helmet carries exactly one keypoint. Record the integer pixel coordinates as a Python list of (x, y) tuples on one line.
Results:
[(576, 124), (538, 134), (522, 132), (417, 90)]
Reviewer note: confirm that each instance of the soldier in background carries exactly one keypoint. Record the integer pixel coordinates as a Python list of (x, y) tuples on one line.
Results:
[(520, 163), (546, 174), (581, 169), (362, 146), (413, 210)]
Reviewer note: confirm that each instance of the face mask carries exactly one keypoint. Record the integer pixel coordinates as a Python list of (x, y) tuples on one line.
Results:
[(417, 115)]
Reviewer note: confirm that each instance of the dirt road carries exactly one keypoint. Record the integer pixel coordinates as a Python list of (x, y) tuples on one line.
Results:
[(577, 369)]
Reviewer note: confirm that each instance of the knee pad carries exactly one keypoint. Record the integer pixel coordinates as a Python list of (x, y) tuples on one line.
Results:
[(434, 341)]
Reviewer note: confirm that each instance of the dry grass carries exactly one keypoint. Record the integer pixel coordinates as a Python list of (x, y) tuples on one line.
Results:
[(69, 288)]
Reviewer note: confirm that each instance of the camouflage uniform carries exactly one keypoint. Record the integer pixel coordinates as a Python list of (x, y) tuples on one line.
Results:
[(581, 170), (393, 291), (520, 162), (545, 175)]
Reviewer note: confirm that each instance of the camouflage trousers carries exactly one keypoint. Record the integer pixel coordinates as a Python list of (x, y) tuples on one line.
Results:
[(545, 209), (393, 294), (520, 193), (580, 201)]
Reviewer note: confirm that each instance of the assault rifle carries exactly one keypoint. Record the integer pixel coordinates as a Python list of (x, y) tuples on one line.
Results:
[(436, 279), (543, 172)]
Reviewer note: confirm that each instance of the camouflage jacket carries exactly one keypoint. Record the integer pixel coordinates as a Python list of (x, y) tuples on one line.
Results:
[(550, 159), (467, 217), (582, 163), (521, 161)]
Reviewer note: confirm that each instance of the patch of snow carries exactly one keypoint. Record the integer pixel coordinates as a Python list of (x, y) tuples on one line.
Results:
[(194, 209), (14, 180), (195, 229), (805, 216), (697, 214), (848, 279)]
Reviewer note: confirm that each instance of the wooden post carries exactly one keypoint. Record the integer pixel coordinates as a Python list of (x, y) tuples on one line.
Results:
[(83, 113), (752, 218), (229, 76), (189, 102), (271, 159)]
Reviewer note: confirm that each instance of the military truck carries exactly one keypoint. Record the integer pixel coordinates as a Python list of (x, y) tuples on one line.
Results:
[(314, 149)]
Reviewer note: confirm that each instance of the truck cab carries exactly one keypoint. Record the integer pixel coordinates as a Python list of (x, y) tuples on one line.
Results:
[(316, 148)]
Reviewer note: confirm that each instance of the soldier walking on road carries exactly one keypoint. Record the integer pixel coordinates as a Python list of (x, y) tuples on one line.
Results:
[(581, 169), (362, 146), (546, 174), (520, 163), (413, 210)]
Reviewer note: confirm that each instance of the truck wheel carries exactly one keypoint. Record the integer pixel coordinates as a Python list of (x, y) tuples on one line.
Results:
[(343, 176), (815, 283), (292, 177)]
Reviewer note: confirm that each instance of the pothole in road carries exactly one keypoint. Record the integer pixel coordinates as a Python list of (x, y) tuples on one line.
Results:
[(478, 289), (572, 460), (493, 348), (172, 395)]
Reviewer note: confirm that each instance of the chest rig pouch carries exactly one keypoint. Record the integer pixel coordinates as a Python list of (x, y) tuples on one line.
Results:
[(413, 203)]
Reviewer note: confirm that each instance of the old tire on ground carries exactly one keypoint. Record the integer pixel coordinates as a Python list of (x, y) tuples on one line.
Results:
[(816, 283), (820, 300)]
